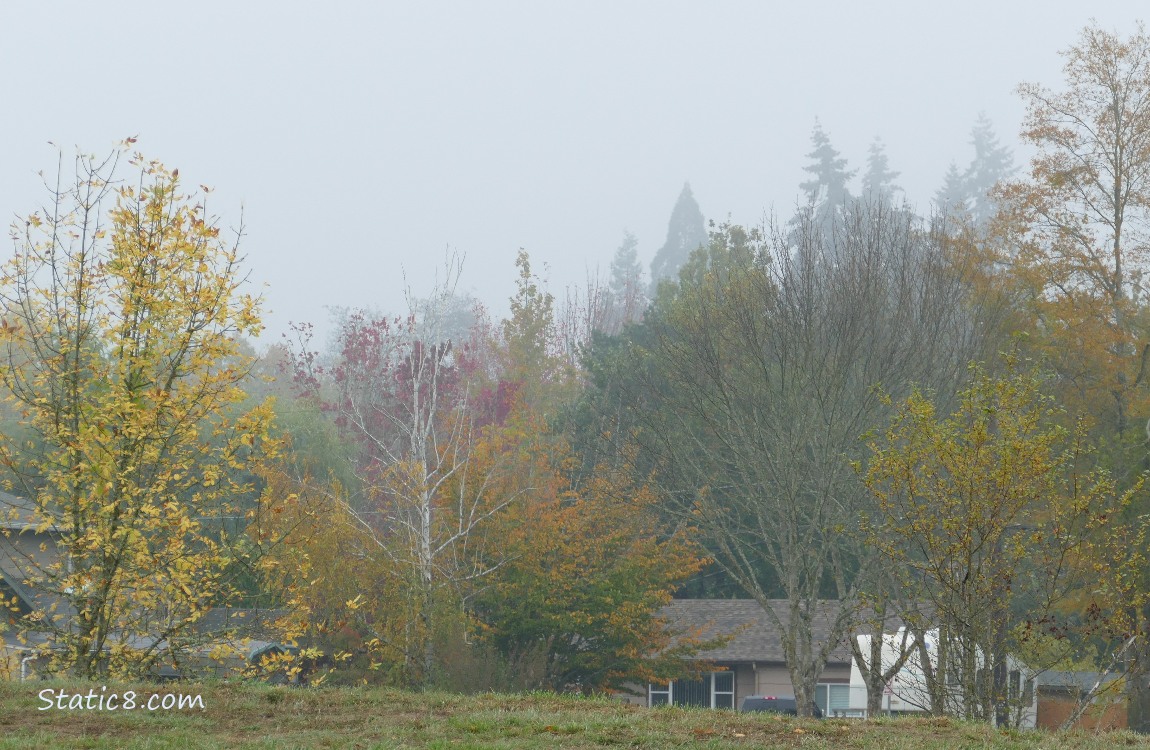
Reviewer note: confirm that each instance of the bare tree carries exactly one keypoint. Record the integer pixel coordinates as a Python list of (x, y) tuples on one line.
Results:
[(585, 311), (760, 378)]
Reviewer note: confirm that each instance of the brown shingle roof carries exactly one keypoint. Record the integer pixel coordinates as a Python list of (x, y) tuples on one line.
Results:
[(756, 638)]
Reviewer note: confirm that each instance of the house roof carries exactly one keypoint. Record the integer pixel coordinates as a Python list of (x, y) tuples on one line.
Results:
[(249, 622), (18, 513), (756, 638), (1072, 681), (18, 516)]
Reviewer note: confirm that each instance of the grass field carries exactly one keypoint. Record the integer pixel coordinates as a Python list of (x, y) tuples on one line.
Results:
[(255, 716)]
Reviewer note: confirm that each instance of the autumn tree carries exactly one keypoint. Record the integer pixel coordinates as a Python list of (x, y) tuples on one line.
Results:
[(585, 561), (406, 392), (580, 570), (1076, 232), (421, 402), (529, 565), (991, 521), (1078, 226), (122, 305)]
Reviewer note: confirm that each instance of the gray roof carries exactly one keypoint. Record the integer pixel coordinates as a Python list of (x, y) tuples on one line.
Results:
[(249, 622), (756, 639), (1072, 681), (18, 513), (18, 516)]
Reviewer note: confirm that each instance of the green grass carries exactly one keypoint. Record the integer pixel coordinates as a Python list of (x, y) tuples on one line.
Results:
[(256, 716)]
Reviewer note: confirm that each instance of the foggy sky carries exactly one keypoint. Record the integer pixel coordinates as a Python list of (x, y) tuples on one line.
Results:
[(362, 138)]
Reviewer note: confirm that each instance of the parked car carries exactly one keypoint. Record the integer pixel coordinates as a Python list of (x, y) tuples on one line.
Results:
[(775, 705)]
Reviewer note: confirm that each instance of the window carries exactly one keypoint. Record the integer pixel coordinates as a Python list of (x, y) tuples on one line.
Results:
[(833, 699), (715, 690), (691, 692), (723, 690)]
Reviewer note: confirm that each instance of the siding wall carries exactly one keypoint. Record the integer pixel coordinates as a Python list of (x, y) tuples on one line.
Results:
[(1054, 707), (774, 679), (744, 683)]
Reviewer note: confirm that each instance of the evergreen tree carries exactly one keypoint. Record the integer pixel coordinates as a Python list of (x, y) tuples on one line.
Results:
[(828, 186), (952, 195), (826, 192), (878, 180), (625, 294), (626, 272), (992, 163), (686, 232), (968, 193)]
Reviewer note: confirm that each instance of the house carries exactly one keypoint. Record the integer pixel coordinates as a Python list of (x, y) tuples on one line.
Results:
[(29, 549), (752, 661), (25, 549)]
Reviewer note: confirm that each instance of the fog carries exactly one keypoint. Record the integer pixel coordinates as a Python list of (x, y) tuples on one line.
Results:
[(358, 141)]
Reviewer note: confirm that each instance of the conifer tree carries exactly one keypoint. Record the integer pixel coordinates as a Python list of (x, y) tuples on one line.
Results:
[(969, 193), (952, 195), (625, 294), (992, 163), (878, 179), (828, 184), (686, 232)]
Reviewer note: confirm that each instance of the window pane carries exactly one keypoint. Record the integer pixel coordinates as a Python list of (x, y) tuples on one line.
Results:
[(724, 682), (692, 693), (821, 697), (840, 696)]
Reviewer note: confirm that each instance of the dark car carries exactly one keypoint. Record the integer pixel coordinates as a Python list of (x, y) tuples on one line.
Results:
[(775, 705)]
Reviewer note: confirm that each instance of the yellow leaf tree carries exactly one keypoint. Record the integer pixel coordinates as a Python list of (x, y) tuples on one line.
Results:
[(1078, 243), (1078, 227), (122, 305), (989, 519)]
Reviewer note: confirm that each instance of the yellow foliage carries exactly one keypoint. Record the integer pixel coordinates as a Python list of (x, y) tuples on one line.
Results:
[(124, 310)]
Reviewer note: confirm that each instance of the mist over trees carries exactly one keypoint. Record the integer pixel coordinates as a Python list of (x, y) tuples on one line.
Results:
[(825, 194), (686, 232), (969, 192), (878, 181), (867, 409)]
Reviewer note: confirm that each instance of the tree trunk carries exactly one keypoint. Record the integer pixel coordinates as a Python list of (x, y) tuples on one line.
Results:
[(804, 693), (1138, 689), (870, 666), (874, 700)]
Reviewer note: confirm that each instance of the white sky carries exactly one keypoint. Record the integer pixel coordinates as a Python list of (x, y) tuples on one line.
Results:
[(362, 138)]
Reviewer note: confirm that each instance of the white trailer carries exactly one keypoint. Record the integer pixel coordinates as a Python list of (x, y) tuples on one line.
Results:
[(907, 692)]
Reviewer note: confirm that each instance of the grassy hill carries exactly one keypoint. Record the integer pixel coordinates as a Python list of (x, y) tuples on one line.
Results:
[(255, 716)]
